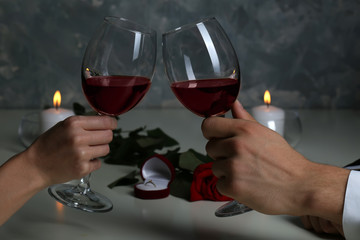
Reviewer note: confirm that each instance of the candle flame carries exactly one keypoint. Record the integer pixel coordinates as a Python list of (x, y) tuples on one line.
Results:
[(267, 97), (57, 99)]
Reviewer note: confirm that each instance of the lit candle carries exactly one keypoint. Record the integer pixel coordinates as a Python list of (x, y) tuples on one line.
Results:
[(270, 116), (51, 116)]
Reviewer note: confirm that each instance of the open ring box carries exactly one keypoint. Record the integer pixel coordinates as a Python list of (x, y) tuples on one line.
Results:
[(157, 173)]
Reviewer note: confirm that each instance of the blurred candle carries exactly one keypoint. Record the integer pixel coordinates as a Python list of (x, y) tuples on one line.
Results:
[(51, 116), (270, 116)]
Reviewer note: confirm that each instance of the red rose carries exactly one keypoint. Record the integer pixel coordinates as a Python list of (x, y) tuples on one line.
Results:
[(203, 186)]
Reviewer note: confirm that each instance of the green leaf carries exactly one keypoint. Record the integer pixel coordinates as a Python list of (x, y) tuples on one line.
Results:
[(190, 159), (173, 156), (129, 179), (78, 109), (148, 142), (134, 149), (135, 133), (201, 157), (180, 187), (120, 151), (166, 139), (117, 132), (81, 110)]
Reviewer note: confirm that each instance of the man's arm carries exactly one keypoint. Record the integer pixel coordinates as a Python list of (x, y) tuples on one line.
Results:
[(257, 167)]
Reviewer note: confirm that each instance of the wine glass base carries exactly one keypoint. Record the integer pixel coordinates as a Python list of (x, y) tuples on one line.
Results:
[(80, 198), (231, 208)]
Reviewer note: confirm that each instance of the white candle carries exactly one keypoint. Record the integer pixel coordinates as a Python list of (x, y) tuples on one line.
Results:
[(270, 116), (51, 116)]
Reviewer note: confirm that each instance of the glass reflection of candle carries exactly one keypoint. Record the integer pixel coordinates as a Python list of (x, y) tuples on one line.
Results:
[(59, 211), (270, 116)]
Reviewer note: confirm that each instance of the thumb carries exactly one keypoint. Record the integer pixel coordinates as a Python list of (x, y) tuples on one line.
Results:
[(238, 111)]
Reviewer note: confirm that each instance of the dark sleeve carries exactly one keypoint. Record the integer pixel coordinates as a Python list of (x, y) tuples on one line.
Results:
[(354, 166)]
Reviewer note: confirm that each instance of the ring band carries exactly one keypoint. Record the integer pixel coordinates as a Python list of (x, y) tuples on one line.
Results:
[(150, 181)]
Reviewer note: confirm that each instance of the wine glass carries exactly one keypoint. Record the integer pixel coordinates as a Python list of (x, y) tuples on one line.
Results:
[(292, 128), (204, 74), (116, 73)]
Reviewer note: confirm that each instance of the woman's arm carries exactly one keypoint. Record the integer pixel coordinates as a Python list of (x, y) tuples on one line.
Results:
[(65, 152)]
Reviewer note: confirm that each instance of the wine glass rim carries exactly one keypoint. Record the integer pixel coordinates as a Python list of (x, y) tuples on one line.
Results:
[(189, 25), (128, 25)]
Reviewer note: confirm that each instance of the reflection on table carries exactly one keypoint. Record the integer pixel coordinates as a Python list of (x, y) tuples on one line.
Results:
[(328, 137)]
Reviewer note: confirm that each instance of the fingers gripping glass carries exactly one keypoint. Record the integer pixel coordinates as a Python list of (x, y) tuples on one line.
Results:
[(204, 74), (116, 73)]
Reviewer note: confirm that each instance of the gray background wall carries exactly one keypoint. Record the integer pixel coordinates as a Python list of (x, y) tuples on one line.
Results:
[(307, 52)]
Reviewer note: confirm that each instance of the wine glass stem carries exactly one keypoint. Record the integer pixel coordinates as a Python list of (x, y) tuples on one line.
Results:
[(85, 184)]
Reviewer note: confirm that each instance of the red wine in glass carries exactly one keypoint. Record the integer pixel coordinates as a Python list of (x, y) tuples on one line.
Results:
[(204, 74), (207, 97), (114, 95), (116, 72)]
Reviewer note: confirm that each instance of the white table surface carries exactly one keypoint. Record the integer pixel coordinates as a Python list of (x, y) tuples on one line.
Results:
[(329, 136)]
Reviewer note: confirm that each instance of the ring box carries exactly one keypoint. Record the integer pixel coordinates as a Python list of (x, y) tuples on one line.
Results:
[(157, 173)]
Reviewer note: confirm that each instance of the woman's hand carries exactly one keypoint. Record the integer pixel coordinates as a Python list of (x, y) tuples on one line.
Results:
[(66, 151), (70, 149)]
